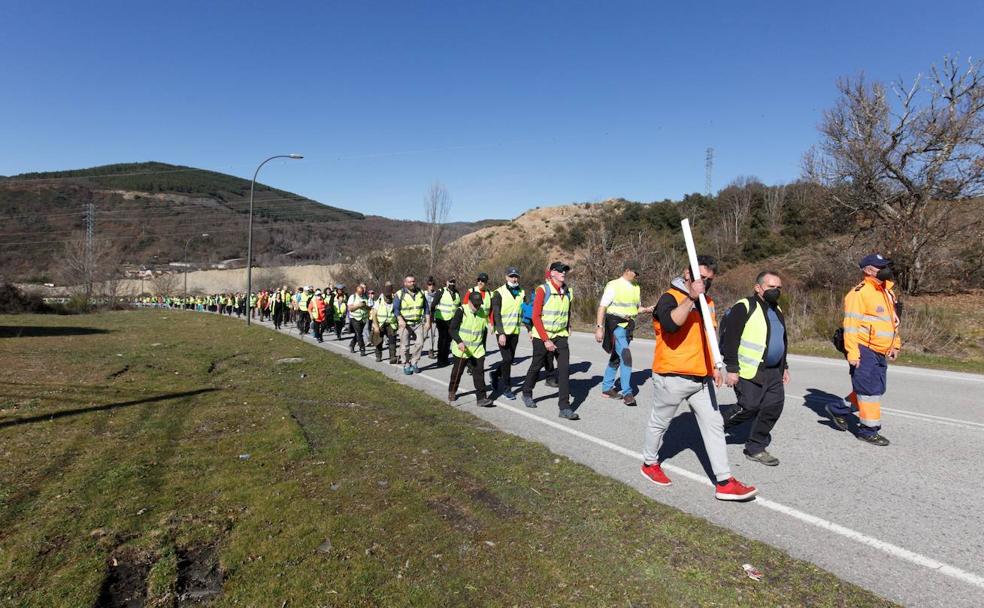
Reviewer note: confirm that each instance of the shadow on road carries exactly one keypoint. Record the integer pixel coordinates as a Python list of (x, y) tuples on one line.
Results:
[(25, 331), (816, 400), (101, 408), (684, 434)]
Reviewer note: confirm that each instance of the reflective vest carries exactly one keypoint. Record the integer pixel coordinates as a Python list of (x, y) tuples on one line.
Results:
[(411, 306), (753, 341), (486, 300), (444, 311), (555, 315), (305, 300), (627, 300), (252, 301), (384, 313), (472, 332), (317, 309), (511, 310), (870, 318), (684, 351), (361, 313)]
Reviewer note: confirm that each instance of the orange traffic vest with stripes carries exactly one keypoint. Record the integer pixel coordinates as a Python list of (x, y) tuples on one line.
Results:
[(870, 319), (317, 309), (684, 351)]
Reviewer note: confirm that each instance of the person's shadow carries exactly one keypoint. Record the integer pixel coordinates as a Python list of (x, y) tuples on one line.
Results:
[(817, 400), (684, 434)]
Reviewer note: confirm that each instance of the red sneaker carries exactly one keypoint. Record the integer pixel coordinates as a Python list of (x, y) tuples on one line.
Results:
[(654, 473), (734, 490)]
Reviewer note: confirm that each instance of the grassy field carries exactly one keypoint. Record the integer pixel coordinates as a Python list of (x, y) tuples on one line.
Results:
[(158, 455)]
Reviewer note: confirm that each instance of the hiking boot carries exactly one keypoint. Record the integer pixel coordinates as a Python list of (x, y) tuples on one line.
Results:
[(379, 359), (840, 422), (734, 490), (552, 382), (569, 414), (508, 394), (612, 393), (764, 457), (654, 473), (875, 439), (528, 401), (484, 402), (362, 352), (629, 400)]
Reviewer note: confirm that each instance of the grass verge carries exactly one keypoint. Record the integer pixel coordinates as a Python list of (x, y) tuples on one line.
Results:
[(158, 455)]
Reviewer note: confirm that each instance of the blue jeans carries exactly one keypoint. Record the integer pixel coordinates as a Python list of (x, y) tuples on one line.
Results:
[(619, 364)]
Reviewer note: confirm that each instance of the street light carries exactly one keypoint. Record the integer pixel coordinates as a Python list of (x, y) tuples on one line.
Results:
[(249, 245), (203, 235)]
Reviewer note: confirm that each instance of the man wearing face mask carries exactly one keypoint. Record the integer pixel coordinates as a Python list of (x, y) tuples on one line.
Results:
[(871, 340), (507, 302), (753, 345)]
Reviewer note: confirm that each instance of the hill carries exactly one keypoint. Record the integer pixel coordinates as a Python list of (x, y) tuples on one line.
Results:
[(147, 214)]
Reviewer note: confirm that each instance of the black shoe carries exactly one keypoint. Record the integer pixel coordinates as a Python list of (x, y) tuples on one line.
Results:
[(528, 401), (552, 383), (484, 402), (569, 414), (379, 359), (352, 348), (362, 352), (876, 439), (764, 457), (612, 393), (840, 422)]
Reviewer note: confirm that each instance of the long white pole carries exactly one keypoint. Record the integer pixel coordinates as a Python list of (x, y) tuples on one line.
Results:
[(705, 312)]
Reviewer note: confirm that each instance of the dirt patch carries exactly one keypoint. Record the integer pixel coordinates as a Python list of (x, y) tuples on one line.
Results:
[(118, 372), (483, 496), (454, 514), (199, 575), (125, 583), (222, 363)]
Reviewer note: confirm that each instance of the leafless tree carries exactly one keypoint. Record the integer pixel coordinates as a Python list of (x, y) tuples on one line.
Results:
[(736, 201), (893, 156), (437, 205), (99, 265), (166, 283), (775, 202)]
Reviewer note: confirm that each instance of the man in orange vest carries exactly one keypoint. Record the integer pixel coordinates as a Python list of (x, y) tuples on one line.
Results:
[(871, 340), (683, 370), (316, 308)]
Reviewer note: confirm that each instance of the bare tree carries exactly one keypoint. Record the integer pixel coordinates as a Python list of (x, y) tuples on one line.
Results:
[(891, 159), (166, 283), (775, 202), (100, 264), (437, 205), (736, 201)]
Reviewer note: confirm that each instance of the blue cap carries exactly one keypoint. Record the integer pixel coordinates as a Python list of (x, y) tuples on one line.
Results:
[(874, 259)]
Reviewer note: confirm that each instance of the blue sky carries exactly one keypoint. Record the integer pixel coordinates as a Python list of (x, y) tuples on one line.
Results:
[(510, 104)]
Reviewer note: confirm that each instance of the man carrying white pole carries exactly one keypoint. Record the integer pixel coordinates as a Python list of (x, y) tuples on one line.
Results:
[(684, 368)]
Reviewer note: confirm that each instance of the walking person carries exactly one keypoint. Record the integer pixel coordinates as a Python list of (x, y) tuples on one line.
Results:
[(620, 303), (507, 304), (277, 309), (467, 331), (871, 340), (410, 307), (318, 315), (303, 310), (340, 310), (447, 300), (753, 346), (551, 328), (358, 309), (683, 370), (430, 291), (385, 323)]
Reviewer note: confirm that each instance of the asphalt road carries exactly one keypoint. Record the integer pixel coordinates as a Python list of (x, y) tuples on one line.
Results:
[(903, 521)]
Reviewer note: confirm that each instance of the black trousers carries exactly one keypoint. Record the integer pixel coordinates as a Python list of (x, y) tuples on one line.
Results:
[(508, 353), (278, 317), (387, 333), (318, 326), (540, 355), (339, 326), (761, 399), (443, 341), (303, 321), (359, 329), (477, 369)]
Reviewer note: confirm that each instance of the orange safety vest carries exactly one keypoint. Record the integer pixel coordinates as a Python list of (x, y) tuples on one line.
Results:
[(317, 309), (684, 351), (870, 319)]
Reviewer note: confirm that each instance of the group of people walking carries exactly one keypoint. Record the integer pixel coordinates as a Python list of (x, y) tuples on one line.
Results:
[(753, 346)]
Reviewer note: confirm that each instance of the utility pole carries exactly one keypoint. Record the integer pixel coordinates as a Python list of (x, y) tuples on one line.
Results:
[(90, 228), (708, 171)]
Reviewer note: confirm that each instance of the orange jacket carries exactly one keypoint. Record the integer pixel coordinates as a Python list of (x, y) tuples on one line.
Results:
[(317, 309), (684, 351), (870, 318)]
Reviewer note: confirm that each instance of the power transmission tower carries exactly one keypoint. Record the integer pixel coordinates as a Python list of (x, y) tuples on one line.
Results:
[(90, 227), (708, 171)]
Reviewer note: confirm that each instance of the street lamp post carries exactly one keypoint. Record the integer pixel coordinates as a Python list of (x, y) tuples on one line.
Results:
[(203, 235), (249, 243)]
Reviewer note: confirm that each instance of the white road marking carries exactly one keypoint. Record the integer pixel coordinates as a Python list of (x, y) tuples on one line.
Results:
[(885, 547)]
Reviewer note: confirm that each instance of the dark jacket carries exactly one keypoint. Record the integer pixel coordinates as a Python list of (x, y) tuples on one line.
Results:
[(611, 322), (734, 325)]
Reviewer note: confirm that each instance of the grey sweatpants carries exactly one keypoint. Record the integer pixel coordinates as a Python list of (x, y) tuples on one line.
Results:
[(669, 392)]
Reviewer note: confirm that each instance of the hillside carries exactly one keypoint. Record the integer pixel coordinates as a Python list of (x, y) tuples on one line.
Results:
[(145, 214)]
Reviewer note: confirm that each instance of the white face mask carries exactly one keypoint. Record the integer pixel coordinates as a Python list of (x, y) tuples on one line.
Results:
[(512, 282)]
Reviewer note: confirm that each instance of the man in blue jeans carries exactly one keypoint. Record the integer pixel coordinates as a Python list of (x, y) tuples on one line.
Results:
[(620, 303)]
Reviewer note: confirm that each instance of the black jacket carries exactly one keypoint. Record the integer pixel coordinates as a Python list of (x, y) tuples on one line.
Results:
[(734, 325)]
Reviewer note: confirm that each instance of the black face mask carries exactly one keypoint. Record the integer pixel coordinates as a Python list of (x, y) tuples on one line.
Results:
[(885, 274), (707, 284), (771, 296)]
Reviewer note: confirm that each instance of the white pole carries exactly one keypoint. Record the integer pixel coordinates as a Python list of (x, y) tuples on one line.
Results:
[(705, 312)]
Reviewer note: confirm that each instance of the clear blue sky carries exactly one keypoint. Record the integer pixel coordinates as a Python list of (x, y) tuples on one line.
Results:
[(510, 104)]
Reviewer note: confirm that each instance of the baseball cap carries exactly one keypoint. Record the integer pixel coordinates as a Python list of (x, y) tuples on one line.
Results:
[(874, 259), (512, 272), (560, 267), (483, 277)]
